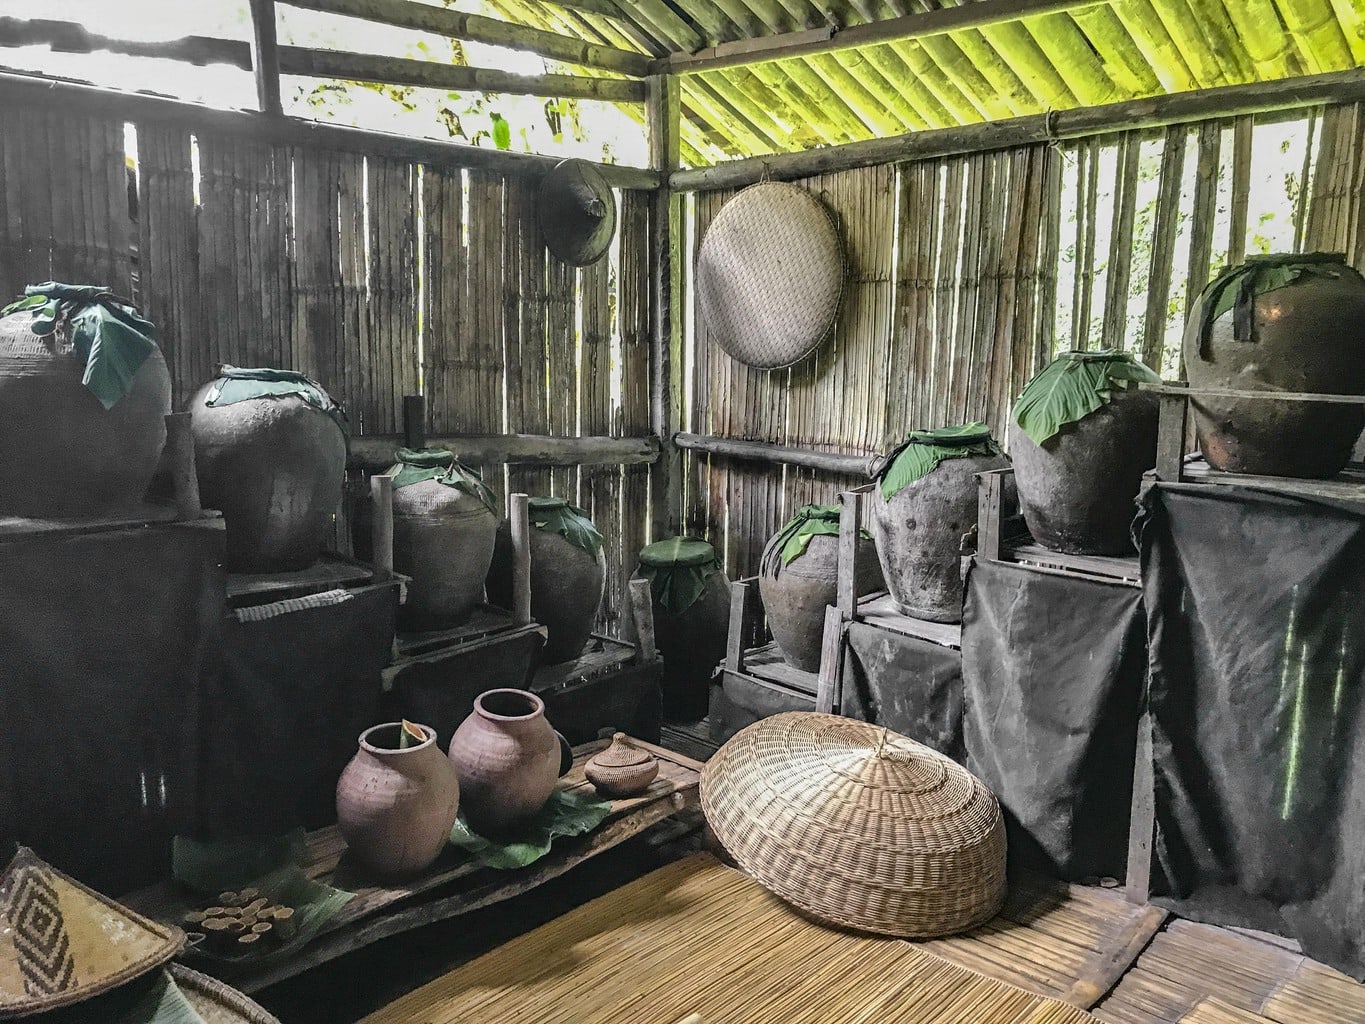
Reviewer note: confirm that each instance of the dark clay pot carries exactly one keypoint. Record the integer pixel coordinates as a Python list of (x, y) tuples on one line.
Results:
[(919, 536), (795, 596), (566, 589), (1077, 490), (442, 538), (79, 459), (396, 807), (1309, 336), (507, 758), (692, 645), (275, 468)]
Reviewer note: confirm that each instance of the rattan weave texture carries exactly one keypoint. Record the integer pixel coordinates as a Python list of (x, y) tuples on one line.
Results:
[(858, 826), (770, 274)]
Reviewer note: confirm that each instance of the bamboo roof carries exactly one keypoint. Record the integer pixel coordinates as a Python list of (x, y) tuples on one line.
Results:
[(1080, 54)]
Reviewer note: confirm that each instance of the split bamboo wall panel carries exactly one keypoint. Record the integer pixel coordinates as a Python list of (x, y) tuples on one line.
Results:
[(968, 273), (378, 277)]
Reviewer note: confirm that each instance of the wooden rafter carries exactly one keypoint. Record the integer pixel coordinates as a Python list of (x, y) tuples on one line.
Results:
[(893, 30), (265, 58), (458, 25)]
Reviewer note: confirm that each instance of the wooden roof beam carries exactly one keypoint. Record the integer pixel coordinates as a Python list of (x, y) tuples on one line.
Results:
[(475, 28), (828, 40)]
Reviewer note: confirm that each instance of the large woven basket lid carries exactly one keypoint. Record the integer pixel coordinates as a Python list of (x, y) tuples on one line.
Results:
[(858, 826), (61, 943), (216, 1002), (577, 212), (770, 275)]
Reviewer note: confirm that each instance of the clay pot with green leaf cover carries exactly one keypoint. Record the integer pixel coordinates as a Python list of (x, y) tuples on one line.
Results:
[(1283, 322), (270, 450), (1081, 436), (568, 572), (444, 527), (85, 391), (799, 578), (923, 505)]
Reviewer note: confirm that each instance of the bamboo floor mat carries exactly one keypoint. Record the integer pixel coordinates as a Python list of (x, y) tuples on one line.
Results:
[(1070, 942), (1199, 974), (696, 937)]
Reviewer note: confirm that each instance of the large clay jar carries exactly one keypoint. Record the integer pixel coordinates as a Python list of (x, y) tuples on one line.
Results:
[(1285, 322), (691, 597), (443, 532), (508, 758), (796, 592), (396, 806), (274, 465), (1077, 487), (568, 571), (919, 519), (63, 452)]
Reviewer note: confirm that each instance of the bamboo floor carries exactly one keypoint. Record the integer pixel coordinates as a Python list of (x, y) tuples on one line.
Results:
[(697, 937)]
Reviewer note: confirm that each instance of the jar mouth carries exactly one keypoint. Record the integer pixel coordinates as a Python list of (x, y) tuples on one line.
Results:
[(509, 705), (384, 739)]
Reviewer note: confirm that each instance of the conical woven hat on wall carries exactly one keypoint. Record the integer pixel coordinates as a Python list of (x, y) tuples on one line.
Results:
[(61, 943), (857, 826), (577, 213), (770, 275)]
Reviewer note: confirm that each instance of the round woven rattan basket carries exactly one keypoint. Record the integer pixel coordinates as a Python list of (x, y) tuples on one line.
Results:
[(770, 275), (857, 826)]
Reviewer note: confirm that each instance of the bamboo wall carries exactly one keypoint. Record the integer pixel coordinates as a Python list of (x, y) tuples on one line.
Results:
[(378, 277), (968, 273)]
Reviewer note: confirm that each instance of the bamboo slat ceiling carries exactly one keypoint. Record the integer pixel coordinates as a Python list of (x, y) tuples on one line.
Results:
[(1104, 52)]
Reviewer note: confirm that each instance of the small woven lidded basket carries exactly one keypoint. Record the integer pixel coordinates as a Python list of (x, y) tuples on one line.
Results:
[(857, 826)]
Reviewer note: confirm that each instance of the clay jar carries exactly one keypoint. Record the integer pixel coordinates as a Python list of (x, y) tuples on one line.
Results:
[(78, 458), (274, 466), (508, 758), (795, 595), (1304, 336), (566, 584), (396, 807), (919, 533)]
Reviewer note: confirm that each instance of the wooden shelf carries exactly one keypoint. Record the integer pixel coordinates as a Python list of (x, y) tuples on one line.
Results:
[(331, 571), (379, 911), (880, 611)]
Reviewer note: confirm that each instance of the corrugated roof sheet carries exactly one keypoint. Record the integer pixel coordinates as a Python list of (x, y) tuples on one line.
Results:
[(1107, 52)]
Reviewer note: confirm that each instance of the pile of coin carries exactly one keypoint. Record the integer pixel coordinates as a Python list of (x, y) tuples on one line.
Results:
[(243, 922)]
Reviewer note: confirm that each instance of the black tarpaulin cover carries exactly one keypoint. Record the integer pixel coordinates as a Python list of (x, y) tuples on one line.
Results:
[(1052, 670), (909, 685), (1256, 602)]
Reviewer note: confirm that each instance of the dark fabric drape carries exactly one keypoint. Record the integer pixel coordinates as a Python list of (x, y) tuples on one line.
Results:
[(907, 684), (1256, 603), (281, 722), (1052, 670), (104, 637)]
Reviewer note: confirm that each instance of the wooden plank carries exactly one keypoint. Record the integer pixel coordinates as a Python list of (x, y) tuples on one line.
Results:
[(265, 58), (1154, 112), (459, 25), (989, 511), (880, 611), (829, 695)]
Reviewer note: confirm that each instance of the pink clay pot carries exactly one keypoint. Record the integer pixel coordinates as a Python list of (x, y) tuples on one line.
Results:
[(508, 758), (396, 807)]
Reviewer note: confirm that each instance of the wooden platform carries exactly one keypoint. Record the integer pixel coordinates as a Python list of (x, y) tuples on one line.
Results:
[(330, 572), (381, 911), (699, 938), (880, 610)]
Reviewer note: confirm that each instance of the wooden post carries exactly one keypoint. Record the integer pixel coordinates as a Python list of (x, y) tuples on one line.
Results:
[(381, 529), (265, 57), (850, 523), (415, 422), (180, 459), (642, 615), (1170, 446), (663, 107), (1142, 819), (829, 693), (989, 511), (739, 626), (521, 559)]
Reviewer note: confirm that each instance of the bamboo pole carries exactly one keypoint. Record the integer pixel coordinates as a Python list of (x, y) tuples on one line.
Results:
[(1141, 20), (1124, 59), (374, 452), (828, 462), (1074, 58), (458, 25), (1153, 112), (265, 56), (1314, 28), (1271, 53)]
